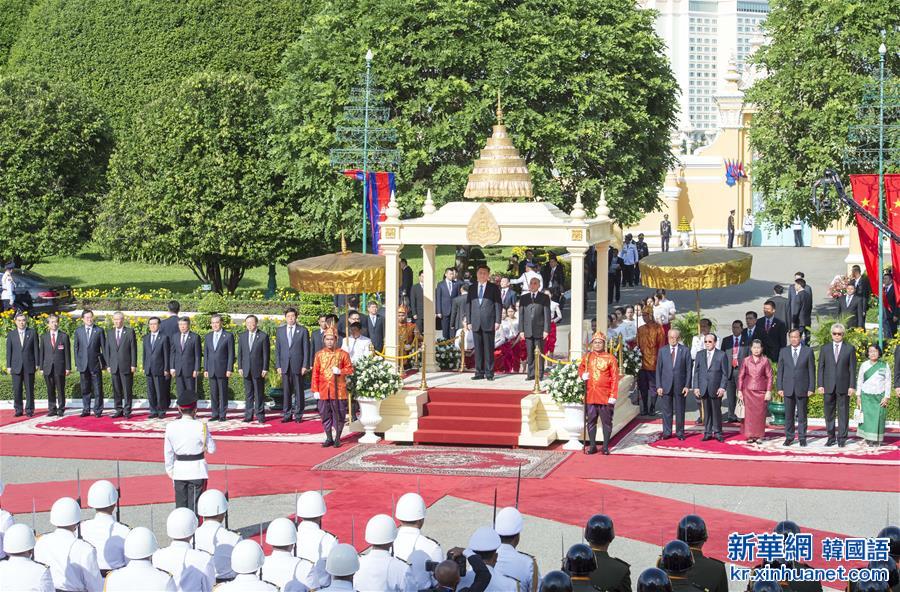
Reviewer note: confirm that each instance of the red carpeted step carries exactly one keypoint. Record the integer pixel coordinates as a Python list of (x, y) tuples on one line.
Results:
[(465, 437), (448, 408), (471, 416), (485, 396), (473, 424)]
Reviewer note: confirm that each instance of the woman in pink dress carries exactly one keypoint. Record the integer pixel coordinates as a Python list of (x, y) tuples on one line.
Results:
[(754, 388)]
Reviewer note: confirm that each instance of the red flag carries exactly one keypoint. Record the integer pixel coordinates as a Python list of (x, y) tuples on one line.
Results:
[(865, 192), (892, 203)]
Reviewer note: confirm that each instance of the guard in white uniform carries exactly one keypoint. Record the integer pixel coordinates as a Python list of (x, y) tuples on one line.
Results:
[(72, 561), (102, 531), (485, 542), (279, 567), (510, 561), (192, 569), (139, 575), (341, 564), (20, 572), (378, 570), (247, 560), (214, 538), (411, 545), (313, 543), (6, 520), (186, 444)]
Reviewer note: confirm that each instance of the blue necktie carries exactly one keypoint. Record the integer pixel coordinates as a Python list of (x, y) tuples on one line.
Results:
[(480, 291)]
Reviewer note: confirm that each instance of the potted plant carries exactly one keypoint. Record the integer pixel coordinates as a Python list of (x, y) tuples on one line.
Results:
[(376, 380), (447, 355), (567, 389), (776, 405)]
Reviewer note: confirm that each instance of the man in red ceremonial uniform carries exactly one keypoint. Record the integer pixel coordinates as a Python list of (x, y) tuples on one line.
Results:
[(329, 386), (600, 371)]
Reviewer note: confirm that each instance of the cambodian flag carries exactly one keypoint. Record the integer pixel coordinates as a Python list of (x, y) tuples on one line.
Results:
[(379, 187)]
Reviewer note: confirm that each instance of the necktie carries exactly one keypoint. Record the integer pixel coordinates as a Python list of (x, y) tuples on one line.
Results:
[(250, 339), (768, 324), (837, 351), (796, 354), (673, 356), (153, 341), (734, 353), (480, 292), (118, 336), (848, 301), (88, 333), (183, 340), (708, 359), (216, 340), (52, 340), (290, 333), (22, 338), (533, 297)]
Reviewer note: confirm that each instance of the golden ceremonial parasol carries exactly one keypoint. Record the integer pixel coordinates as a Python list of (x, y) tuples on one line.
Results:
[(338, 273)]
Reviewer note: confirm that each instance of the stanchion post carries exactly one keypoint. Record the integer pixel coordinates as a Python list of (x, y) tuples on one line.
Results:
[(621, 356), (462, 348), (423, 386)]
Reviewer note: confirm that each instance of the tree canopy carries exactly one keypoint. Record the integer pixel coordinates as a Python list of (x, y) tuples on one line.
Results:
[(588, 94), (819, 58), (12, 15)]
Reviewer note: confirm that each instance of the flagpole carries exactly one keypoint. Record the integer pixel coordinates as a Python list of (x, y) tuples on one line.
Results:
[(882, 50), (366, 158)]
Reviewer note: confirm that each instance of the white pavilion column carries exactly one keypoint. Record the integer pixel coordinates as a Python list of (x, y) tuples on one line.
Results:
[(602, 284), (391, 297), (428, 271), (576, 330)]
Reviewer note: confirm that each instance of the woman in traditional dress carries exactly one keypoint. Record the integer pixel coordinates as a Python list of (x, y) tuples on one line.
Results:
[(873, 391), (754, 390)]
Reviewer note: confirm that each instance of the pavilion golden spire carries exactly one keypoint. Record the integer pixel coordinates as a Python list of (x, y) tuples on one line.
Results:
[(499, 172)]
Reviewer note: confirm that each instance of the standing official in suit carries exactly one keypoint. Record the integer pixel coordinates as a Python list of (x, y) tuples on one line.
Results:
[(861, 284), (850, 307), (553, 274), (22, 355), (373, 326), (417, 303), (737, 347), (157, 350), (253, 365), (56, 364), (534, 323), (168, 327), (801, 308), (731, 229), (773, 332), (891, 308), (185, 357), (444, 293), (483, 317), (406, 279), (218, 364), (665, 233), (674, 372), (710, 379), (795, 383), (292, 359), (121, 361), (782, 305), (508, 296), (90, 344), (316, 336), (837, 377), (458, 309)]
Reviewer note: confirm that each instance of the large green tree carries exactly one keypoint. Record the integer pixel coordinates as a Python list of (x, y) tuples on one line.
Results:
[(819, 58), (192, 184), (54, 149), (588, 94), (12, 15)]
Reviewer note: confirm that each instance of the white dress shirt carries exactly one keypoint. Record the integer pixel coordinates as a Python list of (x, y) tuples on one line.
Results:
[(525, 280), (517, 565), (219, 542), (279, 567), (246, 583), (697, 345), (24, 575), (338, 586), (380, 572), (192, 569), (187, 435), (313, 543), (411, 539), (108, 538), (139, 576), (357, 347), (72, 561)]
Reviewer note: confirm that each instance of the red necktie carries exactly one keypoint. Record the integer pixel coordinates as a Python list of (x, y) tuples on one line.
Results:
[(52, 341), (734, 353)]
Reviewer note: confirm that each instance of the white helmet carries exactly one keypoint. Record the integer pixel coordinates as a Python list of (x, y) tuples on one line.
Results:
[(485, 539), (342, 561), (410, 507), (18, 539), (212, 502), (140, 543), (281, 533), (310, 504), (247, 557), (381, 530), (65, 512), (102, 494), (181, 524), (508, 522)]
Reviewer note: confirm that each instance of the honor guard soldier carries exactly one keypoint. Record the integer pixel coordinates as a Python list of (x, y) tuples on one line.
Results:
[(788, 528), (580, 563), (612, 574), (888, 532), (139, 574), (192, 569), (6, 520), (72, 561), (707, 572), (764, 586), (313, 543), (411, 514), (186, 443), (407, 335), (329, 385), (653, 580), (378, 569), (102, 531), (20, 572), (341, 565), (247, 559), (556, 581), (484, 542), (677, 561), (600, 371), (281, 565), (510, 561), (214, 538)]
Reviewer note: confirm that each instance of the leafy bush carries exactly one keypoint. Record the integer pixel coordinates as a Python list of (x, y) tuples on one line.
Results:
[(566, 385), (12, 17), (212, 303)]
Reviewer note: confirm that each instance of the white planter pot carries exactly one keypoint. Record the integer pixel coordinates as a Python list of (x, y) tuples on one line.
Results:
[(369, 417), (573, 423)]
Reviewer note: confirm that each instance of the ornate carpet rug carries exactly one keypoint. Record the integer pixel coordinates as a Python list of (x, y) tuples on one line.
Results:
[(446, 460)]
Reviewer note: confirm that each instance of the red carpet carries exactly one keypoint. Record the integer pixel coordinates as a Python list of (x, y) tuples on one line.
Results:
[(489, 417)]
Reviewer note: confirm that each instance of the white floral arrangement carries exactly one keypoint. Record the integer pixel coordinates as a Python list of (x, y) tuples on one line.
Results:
[(447, 356), (376, 378), (631, 361), (566, 385)]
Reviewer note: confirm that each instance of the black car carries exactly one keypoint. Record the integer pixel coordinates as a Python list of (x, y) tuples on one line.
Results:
[(36, 294)]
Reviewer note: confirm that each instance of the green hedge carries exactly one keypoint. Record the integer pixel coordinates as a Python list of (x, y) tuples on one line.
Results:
[(309, 312)]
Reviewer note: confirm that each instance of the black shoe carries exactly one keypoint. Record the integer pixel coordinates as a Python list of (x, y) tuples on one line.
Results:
[(788, 441), (29, 413), (842, 443), (161, 415), (491, 377), (98, 415), (665, 436), (223, 419), (128, 416), (18, 414), (720, 438), (478, 377), (605, 451), (680, 438), (337, 443), (85, 413), (802, 442), (285, 419), (529, 378), (830, 442), (299, 419), (698, 421), (327, 443), (592, 450), (118, 414), (705, 438), (262, 421), (247, 419)]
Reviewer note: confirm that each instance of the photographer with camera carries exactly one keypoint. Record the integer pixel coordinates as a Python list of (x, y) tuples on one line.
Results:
[(449, 572), (483, 551)]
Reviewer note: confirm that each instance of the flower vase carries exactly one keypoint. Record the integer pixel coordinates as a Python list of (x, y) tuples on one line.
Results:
[(369, 417), (573, 423)]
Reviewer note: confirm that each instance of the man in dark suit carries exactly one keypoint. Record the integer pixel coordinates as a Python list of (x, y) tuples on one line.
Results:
[(406, 280), (674, 372), (709, 381), (528, 259), (483, 317), (553, 274), (316, 338), (753, 330), (56, 364), (373, 326), (891, 307), (22, 356), (458, 310), (444, 293), (850, 307), (168, 328), (185, 356), (90, 343), (782, 304), (773, 332), (218, 364), (156, 352), (253, 365), (534, 323), (417, 303), (801, 308), (795, 383), (837, 377), (508, 296), (861, 284), (731, 229), (792, 291), (121, 361), (737, 347), (292, 361)]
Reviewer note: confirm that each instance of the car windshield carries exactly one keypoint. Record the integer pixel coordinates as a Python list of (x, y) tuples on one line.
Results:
[(30, 277)]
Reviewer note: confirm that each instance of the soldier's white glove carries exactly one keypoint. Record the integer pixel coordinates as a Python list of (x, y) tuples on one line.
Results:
[(317, 396), (336, 370), (585, 376), (612, 400)]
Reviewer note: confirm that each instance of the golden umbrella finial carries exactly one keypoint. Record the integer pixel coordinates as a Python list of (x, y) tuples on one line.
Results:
[(499, 109), (343, 243)]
